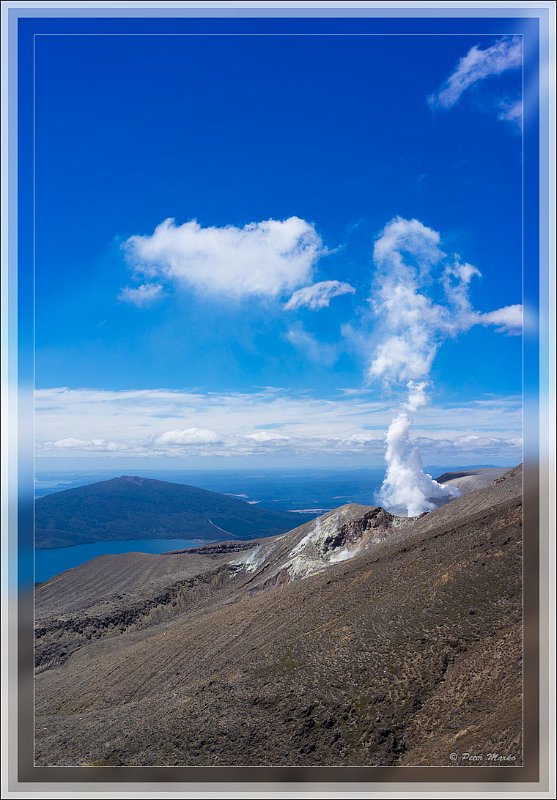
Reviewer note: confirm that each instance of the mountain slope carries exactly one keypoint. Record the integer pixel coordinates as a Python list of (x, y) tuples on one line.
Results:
[(142, 508), (472, 479), (404, 652)]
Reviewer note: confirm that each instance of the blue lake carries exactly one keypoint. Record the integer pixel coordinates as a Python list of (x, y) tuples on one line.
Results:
[(50, 562)]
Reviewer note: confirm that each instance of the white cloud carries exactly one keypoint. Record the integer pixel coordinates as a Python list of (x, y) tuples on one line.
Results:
[(312, 348), (477, 65), (188, 436), (401, 236), (509, 319), (511, 111), (410, 326), (89, 445), (319, 295), (398, 357), (456, 280), (143, 295), (407, 321), (363, 439), (266, 436), (176, 424), (266, 258)]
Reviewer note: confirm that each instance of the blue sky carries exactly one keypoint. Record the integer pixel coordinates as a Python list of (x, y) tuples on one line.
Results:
[(342, 134)]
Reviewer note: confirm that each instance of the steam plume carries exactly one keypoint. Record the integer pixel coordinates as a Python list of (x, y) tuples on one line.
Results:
[(410, 269), (407, 488)]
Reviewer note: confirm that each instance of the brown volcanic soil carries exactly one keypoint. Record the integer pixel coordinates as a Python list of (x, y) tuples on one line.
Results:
[(405, 653)]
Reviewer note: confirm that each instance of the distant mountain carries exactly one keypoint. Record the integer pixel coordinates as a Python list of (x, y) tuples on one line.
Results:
[(141, 508)]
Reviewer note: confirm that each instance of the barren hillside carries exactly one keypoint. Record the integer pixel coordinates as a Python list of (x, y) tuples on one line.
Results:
[(357, 639)]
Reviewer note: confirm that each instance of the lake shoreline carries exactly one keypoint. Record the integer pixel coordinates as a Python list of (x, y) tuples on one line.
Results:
[(52, 561)]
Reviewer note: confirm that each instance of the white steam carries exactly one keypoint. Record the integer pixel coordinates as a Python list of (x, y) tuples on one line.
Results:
[(411, 270), (407, 488)]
